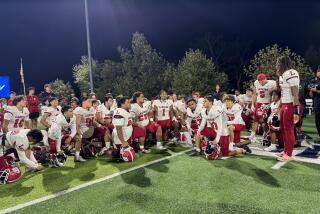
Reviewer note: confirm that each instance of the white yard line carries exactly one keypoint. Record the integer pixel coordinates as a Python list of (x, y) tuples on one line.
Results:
[(48, 197)]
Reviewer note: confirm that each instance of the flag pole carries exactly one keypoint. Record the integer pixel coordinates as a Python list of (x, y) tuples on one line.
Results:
[(22, 77), (88, 45)]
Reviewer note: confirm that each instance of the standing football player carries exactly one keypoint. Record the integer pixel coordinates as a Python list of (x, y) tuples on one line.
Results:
[(143, 121), (50, 113), (262, 97), (289, 112), (16, 117)]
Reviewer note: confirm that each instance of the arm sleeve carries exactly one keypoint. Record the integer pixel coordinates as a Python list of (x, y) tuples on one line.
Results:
[(203, 122), (218, 121), (23, 158), (8, 115), (73, 128)]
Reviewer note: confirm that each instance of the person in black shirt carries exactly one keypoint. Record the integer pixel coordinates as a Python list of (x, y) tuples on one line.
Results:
[(217, 92), (314, 92), (47, 93)]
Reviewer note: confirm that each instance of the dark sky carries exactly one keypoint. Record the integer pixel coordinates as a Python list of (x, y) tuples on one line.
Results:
[(50, 34)]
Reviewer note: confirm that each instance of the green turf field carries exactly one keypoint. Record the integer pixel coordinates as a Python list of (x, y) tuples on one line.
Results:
[(182, 184)]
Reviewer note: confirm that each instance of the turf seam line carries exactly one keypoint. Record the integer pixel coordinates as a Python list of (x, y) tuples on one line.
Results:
[(81, 186)]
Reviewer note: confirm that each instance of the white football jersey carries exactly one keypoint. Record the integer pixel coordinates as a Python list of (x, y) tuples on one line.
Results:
[(52, 114), (87, 118), (18, 139), (246, 100), (180, 106), (264, 91), (61, 125), (194, 116), (141, 113), (234, 115), (275, 108), (122, 118), (212, 119), (105, 112), (288, 79), (16, 118), (163, 107)]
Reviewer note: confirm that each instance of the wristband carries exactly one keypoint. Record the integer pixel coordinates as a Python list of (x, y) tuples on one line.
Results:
[(296, 110)]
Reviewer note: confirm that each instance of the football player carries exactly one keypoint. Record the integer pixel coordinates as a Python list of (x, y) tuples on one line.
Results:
[(63, 131), (289, 82), (163, 113), (245, 102), (262, 97), (85, 122), (193, 115), (122, 121), (50, 113), (143, 121), (274, 121), (235, 123), (20, 140), (16, 117), (211, 122)]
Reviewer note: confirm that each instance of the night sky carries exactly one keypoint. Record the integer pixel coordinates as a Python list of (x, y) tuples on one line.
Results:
[(50, 34)]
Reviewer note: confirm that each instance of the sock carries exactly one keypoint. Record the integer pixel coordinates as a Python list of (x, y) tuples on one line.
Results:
[(252, 134), (77, 154), (159, 144), (188, 137), (141, 147), (231, 144), (108, 145)]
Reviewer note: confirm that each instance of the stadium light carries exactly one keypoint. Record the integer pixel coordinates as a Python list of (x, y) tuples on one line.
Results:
[(88, 45)]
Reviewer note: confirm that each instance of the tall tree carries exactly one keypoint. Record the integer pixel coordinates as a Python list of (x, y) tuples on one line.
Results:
[(312, 56), (62, 89), (195, 70), (265, 62)]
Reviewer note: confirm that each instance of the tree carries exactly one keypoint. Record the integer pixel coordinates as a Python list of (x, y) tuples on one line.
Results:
[(81, 74), (61, 89), (195, 70), (265, 62), (140, 68)]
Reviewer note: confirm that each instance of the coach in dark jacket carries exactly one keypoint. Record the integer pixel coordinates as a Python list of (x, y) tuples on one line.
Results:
[(315, 95), (46, 93), (217, 93)]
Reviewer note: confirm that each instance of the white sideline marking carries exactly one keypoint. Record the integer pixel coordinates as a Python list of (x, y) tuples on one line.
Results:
[(278, 165), (57, 194)]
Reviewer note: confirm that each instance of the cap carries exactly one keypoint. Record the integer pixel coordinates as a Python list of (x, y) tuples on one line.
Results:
[(261, 77)]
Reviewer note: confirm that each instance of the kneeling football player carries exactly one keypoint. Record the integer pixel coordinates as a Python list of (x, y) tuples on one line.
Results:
[(143, 121), (20, 140)]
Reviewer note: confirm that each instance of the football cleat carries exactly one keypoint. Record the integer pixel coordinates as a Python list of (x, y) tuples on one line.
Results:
[(79, 159), (270, 148)]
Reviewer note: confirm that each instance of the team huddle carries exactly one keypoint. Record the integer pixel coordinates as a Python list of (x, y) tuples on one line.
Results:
[(122, 126)]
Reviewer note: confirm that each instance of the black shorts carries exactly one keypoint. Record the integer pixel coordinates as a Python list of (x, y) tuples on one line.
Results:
[(34, 115)]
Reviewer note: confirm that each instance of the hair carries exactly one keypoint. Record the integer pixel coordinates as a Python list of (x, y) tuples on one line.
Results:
[(108, 96), (46, 85), (190, 100), (249, 89), (230, 98), (210, 98), (284, 63), (276, 92), (31, 88), (84, 98), (17, 99), (44, 100), (121, 100), (36, 134), (75, 100), (135, 96), (52, 99), (65, 109), (93, 101), (13, 92), (162, 91)]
